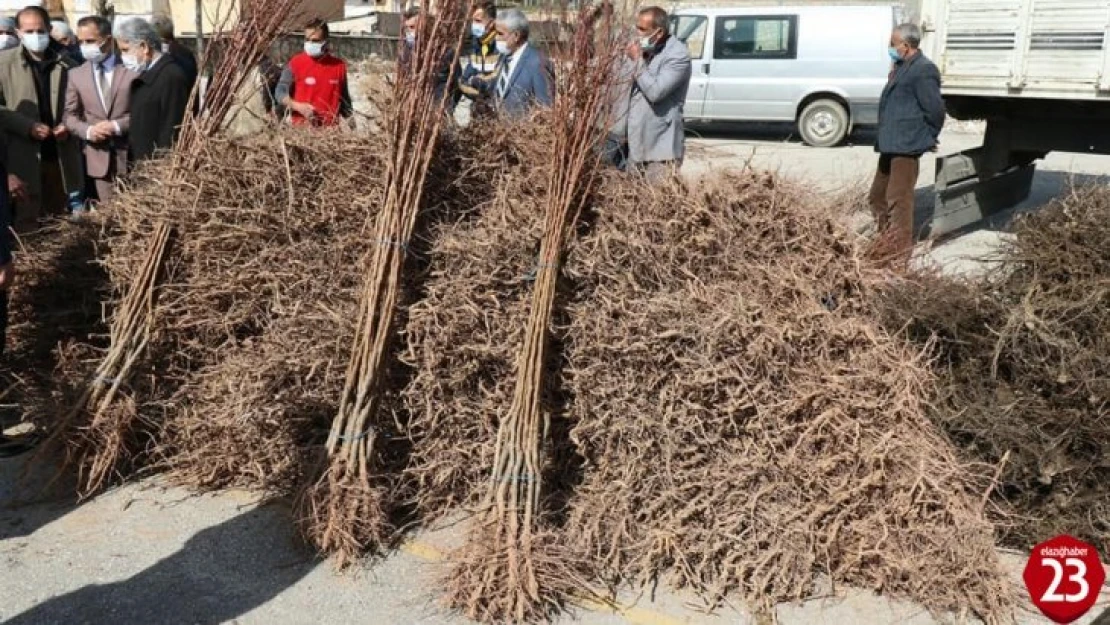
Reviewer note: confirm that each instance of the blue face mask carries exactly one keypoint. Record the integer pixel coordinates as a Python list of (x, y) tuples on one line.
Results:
[(893, 52), (478, 30)]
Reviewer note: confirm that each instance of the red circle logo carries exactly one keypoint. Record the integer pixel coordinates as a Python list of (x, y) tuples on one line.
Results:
[(1064, 577)]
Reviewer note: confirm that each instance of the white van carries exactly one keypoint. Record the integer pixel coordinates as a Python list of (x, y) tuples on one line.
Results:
[(823, 67)]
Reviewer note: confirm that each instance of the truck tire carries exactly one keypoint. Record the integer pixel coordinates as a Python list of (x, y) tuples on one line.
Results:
[(823, 123)]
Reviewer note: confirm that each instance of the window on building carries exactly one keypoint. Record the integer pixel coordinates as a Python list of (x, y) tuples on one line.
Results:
[(690, 30), (756, 37)]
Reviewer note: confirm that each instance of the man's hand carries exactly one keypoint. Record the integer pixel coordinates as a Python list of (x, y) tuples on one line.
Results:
[(61, 133), (7, 276), (634, 51), (304, 109), (102, 131), (40, 132), (16, 189)]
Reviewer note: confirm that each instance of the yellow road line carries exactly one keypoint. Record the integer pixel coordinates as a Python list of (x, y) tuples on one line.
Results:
[(632, 615)]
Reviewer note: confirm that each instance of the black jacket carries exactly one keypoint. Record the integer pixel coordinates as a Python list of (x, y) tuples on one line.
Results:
[(186, 60), (5, 217), (159, 98), (911, 111)]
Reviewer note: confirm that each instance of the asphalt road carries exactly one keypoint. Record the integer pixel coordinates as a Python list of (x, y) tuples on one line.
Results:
[(849, 169)]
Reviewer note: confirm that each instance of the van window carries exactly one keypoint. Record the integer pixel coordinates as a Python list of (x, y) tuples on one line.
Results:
[(690, 30), (756, 37)]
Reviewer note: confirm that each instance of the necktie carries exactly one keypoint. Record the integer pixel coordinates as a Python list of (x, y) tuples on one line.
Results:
[(105, 88), (503, 79)]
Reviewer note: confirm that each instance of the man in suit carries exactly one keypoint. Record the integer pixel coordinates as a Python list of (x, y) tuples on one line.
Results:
[(525, 78), (911, 116), (41, 151), (180, 54), (98, 105), (159, 95), (660, 79)]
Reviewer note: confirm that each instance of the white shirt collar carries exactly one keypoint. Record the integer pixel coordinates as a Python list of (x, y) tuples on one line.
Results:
[(515, 58)]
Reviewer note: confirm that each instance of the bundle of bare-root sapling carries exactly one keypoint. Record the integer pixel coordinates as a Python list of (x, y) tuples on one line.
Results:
[(506, 572), (98, 432), (343, 511)]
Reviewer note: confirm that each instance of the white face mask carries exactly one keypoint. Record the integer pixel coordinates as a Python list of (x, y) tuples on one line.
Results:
[(410, 38), (36, 42), (92, 53), (502, 47), (165, 48), (315, 49), (478, 30), (646, 43), (131, 62), (7, 42)]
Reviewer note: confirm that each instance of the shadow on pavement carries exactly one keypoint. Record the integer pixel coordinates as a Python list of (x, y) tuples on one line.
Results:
[(1047, 186), (768, 131), (220, 574), (25, 503)]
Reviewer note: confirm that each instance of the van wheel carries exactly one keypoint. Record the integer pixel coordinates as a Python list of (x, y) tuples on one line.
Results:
[(823, 123)]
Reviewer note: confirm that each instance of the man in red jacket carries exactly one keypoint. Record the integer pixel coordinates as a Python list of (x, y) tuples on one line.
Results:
[(313, 86)]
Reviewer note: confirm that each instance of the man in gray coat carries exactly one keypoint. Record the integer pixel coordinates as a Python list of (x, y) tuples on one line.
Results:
[(911, 116), (661, 78)]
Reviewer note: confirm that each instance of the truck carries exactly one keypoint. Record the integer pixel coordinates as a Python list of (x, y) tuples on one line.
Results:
[(1037, 72)]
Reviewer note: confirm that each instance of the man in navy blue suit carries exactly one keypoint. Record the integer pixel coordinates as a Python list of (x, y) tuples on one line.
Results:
[(526, 78)]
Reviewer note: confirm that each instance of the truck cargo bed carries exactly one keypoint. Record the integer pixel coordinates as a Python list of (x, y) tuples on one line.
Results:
[(1053, 49)]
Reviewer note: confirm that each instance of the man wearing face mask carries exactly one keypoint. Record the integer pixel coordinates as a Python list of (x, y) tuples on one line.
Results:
[(525, 78), (477, 79), (911, 116), (41, 152), (313, 86), (8, 37), (416, 20), (98, 105), (660, 80), (159, 93)]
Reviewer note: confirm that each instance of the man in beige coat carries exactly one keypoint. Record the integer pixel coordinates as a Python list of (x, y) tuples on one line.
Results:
[(41, 151), (98, 105)]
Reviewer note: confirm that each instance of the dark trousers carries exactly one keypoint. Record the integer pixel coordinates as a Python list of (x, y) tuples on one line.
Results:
[(3, 320), (5, 220), (615, 152), (891, 200)]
